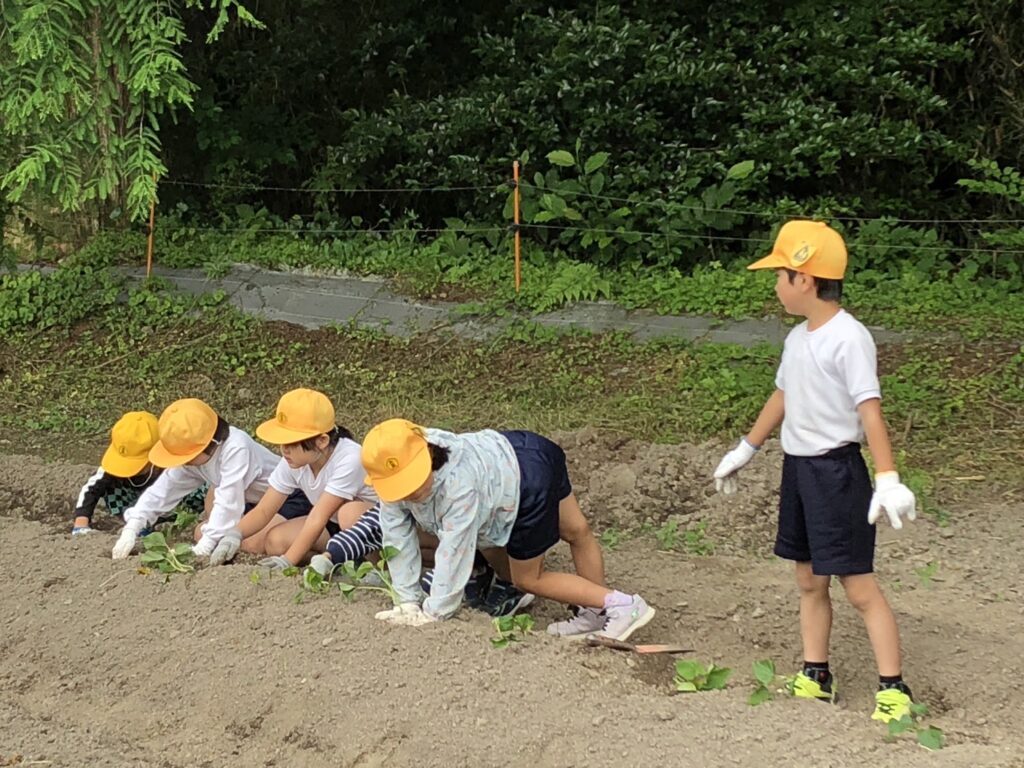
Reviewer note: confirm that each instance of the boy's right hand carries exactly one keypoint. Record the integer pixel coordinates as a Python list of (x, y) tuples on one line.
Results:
[(730, 465), (126, 541)]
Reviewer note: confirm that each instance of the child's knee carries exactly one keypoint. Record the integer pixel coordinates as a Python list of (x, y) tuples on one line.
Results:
[(276, 542), (861, 591), (810, 584)]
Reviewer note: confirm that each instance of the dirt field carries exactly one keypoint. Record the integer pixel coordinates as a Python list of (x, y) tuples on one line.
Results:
[(102, 666)]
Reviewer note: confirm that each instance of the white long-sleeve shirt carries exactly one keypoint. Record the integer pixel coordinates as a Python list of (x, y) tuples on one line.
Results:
[(473, 504), (238, 472)]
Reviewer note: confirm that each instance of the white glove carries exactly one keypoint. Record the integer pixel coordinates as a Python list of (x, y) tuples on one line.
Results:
[(275, 563), (729, 466), (226, 548), (126, 541), (406, 614), (205, 546), (894, 498)]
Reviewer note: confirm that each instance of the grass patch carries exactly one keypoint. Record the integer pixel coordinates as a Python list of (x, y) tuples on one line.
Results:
[(955, 410), (475, 269)]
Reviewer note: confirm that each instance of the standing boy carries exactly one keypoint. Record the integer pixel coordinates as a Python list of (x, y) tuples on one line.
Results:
[(827, 400)]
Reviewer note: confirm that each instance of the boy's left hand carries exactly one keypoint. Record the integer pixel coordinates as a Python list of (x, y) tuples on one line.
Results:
[(894, 498), (205, 546)]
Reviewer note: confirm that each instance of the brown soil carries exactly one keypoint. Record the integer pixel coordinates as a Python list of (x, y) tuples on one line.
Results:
[(102, 666)]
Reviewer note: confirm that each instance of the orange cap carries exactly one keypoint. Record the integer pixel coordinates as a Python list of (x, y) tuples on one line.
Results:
[(130, 440), (811, 247), (186, 427), (396, 459), (301, 413)]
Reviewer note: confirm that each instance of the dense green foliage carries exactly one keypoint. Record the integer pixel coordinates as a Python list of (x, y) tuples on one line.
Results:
[(651, 134)]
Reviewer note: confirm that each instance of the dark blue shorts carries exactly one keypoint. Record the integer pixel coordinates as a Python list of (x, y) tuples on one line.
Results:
[(823, 512), (543, 482), (296, 505)]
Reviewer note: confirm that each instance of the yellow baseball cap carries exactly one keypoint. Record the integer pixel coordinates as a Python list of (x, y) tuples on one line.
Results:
[(301, 413), (186, 427), (811, 247), (396, 458), (130, 440)]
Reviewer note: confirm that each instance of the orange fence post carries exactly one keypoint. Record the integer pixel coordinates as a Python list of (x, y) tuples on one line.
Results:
[(152, 227), (515, 216)]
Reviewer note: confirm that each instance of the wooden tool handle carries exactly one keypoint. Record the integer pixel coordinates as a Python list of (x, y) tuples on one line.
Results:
[(596, 641)]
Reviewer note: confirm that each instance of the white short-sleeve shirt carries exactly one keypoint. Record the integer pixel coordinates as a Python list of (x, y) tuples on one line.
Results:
[(342, 476), (825, 374)]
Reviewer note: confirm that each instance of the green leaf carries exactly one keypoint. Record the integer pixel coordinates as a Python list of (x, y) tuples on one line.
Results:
[(764, 671), (500, 642), (740, 170), (596, 183), (930, 738), (902, 725), (759, 696), (717, 678), (689, 670), (685, 686), (183, 549), (386, 553), (151, 557), (155, 541), (561, 158), (595, 161), (292, 570)]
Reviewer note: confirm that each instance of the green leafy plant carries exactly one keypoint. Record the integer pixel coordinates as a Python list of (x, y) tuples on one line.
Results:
[(926, 573), (610, 538), (168, 560), (692, 676), (766, 682), (695, 540), (511, 629), (928, 736), (184, 521), (667, 535)]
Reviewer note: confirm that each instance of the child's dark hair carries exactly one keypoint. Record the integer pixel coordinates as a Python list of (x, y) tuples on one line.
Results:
[(339, 432), (219, 436), (438, 456), (828, 290)]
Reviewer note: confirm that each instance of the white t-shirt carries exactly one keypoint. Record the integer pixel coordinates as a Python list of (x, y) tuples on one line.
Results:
[(238, 472), (825, 374), (342, 476)]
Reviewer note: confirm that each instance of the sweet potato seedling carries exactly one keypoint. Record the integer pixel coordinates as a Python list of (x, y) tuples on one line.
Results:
[(183, 522), (767, 683), (693, 676), (168, 560), (511, 629), (928, 736)]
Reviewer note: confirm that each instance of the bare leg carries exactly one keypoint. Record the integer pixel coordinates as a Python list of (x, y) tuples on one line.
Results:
[(815, 612), (280, 537), (866, 596), (530, 576), (256, 544), (574, 529)]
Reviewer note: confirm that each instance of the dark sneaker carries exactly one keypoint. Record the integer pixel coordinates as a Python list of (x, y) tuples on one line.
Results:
[(476, 588), (503, 599)]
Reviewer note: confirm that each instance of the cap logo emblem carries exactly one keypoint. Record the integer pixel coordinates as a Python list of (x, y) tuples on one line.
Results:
[(801, 255), (282, 417), (391, 463)]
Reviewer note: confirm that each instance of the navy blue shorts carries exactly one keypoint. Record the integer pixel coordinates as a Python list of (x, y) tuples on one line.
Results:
[(296, 505), (543, 482), (823, 512)]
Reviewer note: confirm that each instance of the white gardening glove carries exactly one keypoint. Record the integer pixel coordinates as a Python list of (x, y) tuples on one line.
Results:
[(275, 563), (226, 548), (729, 466), (406, 614), (126, 541), (205, 546), (894, 498)]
